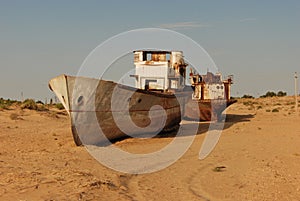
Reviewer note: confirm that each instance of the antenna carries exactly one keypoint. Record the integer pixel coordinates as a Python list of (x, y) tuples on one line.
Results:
[(296, 93)]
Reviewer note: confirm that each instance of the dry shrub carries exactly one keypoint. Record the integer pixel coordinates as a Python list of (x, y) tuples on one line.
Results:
[(29, 104), (41, 107), (259, 107), (248, 103), (32, 105), (3, 107), (64, 113), (59, 106), (14, 116), (5, 104), (52, 114)]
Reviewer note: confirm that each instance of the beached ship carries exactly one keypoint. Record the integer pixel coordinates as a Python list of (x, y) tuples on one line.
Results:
[(152, 106), (211, 94), (103, 110)]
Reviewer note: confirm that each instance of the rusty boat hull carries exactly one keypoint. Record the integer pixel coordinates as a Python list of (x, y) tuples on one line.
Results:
[(209, 110), (102, 111)]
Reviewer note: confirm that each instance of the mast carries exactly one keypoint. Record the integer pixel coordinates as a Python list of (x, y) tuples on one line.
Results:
[(296, 94)]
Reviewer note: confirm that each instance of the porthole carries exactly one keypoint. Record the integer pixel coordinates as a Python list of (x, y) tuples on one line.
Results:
[(63, 99), (80, 100)]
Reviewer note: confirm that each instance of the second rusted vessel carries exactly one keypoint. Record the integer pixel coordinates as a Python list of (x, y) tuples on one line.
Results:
[(211, 94)]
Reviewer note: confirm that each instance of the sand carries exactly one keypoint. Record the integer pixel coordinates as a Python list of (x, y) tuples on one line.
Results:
[(256, 158)]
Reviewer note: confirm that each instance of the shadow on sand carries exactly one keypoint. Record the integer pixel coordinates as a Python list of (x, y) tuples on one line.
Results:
[(203, 126), (189, 127)]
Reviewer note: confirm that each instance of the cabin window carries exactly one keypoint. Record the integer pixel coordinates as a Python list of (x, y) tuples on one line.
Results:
[(147, 56), (168, 56), (144, 56), (200, 79), (149, 83), (156, 56), (136, 57)]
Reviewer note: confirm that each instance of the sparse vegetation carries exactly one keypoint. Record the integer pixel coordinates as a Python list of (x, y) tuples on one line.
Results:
[(5, 104), (281, 93), (269, 94), (14, 116), (251, 104), (275, 110), (39, 102), (59, 106), (53, 114), (268, 110), (32, 105), (219, 169), (29, 104), (273, 94), (259, 107), (247, 103), (41, 107), (247, 96)]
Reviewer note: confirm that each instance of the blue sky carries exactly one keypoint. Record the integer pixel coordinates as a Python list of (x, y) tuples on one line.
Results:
[(256, 41)]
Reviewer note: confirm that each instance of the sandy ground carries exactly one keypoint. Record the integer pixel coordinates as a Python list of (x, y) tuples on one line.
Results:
[(259, 150)]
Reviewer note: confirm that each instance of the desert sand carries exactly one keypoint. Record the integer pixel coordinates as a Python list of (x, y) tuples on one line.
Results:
[(256, 158)]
